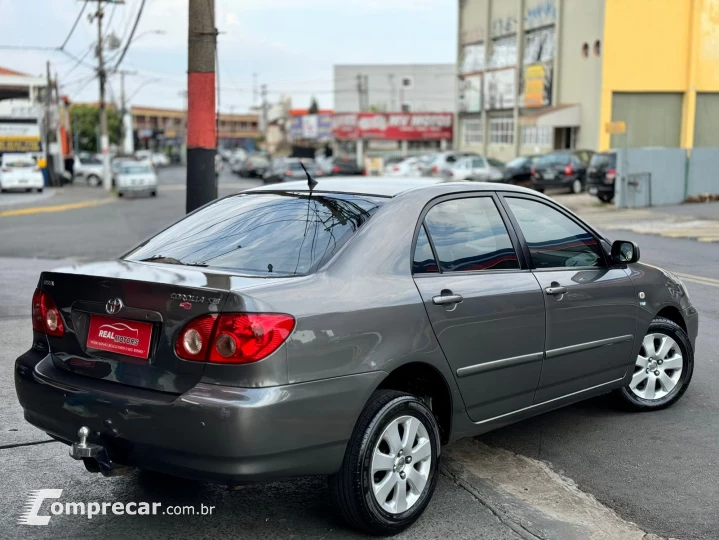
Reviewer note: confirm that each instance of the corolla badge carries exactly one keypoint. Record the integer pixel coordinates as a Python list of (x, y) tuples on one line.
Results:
[(113, 306)]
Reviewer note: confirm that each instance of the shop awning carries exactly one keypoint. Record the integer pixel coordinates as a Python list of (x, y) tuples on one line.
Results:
[(559, 116)]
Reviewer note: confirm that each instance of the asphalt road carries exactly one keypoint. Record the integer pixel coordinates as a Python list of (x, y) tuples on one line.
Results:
[(656, 469)]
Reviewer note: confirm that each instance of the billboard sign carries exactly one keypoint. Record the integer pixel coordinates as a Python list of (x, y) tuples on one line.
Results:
[(393, 126), (20, 137), (311, 126), (536, 90)]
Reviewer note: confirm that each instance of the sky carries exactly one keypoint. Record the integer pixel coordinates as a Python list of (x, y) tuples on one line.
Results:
[(290, 44)]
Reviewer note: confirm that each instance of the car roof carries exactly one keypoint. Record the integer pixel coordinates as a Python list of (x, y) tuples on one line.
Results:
[(381, 186)]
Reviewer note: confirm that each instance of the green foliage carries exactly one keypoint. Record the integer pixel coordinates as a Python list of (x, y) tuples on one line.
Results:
[(86, 120), (314, 106)]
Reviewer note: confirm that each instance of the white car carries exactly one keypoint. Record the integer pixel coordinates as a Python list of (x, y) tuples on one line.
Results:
[(157, 159), (134, 177), (411, 166), (20, 171), (88, 168), (475, 168)]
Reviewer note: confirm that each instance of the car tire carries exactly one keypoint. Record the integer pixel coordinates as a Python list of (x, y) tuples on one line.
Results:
[(153, 194), (353, 487), (39, 190), (576, 187), (120, 194), (606, 198), (93, 181), (637, 395)]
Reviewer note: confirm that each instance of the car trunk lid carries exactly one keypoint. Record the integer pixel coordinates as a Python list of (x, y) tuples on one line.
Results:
[(122, 319)]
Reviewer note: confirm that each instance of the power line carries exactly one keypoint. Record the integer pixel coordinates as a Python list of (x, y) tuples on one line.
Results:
[(77, 20), (78, 62), (132, 33)]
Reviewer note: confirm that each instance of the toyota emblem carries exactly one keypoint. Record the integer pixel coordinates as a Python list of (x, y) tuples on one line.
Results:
[(113, 306)]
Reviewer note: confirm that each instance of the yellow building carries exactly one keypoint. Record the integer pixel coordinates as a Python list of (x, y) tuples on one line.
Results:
[(536, 75)]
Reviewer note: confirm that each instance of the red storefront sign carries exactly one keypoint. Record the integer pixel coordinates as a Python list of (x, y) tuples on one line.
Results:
[(393, 126)]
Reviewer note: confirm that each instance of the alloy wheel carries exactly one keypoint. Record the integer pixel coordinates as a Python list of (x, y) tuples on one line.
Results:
[(658, 367), (577, 186), (401, 463)]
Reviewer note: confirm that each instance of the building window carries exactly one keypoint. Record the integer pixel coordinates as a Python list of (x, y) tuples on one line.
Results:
[(539, 46), (597, 48), (536, 136), (472, 58), (585, 50), (406, 107), (504, 52), (471, 132), (407, 82), (501, 130)]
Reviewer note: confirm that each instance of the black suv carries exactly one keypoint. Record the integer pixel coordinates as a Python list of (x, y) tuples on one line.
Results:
[(563, 168), (601, 175)]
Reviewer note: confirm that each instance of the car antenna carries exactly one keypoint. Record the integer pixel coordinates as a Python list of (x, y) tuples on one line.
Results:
[(311, 182)]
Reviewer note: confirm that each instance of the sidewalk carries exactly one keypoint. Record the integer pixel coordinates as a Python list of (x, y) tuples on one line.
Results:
[(698, 221)]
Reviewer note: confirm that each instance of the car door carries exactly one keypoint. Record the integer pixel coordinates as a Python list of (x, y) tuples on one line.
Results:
[(590, 306), (479, 168), (485, 306)]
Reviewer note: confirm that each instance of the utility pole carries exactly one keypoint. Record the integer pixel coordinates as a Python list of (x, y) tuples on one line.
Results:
[(359, 92), (125, 148), (264, 109), (50, 163), (201, 113), (102, 77)]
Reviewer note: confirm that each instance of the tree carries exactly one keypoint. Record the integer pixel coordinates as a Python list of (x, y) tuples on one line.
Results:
[(314, 106), (86, 121)]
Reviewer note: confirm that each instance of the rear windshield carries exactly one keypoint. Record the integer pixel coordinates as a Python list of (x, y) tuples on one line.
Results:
[(262, 233), (552, 159), (604, 160)]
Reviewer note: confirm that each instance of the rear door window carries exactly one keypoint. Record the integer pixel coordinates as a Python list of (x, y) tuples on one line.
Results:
[(469, 234), (262, 233), (554, 240)]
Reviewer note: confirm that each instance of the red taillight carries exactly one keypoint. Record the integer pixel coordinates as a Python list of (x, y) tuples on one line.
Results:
[(610, 176), (364, 172), (288, 172), (533, 171), (46, 317), (395, 168), (435, 169), (242, 338), (233, 338), (568, 170), (335, 169), (195, 338)]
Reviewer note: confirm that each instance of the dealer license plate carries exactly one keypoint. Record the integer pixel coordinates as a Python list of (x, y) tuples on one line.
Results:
[(131, 338)]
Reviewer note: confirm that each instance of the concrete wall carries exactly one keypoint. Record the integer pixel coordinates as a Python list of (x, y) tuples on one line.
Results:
[(703, 172), (580, 79), (472, 21), (433, 87), (660, 173)]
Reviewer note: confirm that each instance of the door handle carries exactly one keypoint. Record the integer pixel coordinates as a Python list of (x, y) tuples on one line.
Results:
[(446, 299), (555, 290)]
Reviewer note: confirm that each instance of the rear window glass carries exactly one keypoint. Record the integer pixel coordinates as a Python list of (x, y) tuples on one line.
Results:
[(263, 233), (553, 159), (19, 164), (604, 160)]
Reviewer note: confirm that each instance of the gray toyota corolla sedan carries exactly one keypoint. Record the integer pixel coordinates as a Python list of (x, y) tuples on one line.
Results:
[(348, 331)]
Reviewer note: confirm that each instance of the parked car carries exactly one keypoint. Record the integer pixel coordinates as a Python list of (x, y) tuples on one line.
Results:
[(343, 166), (443, 162), (601, 175), (157, 159), (518, 171), (88, 168), (288, 169), (254, 166), (20, 172), (280, 332), (563, 168), (411, 166), (475, 168), (134, 176)]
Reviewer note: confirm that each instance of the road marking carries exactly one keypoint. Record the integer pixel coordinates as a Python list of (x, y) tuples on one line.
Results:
[(55, 208), (701, 280)]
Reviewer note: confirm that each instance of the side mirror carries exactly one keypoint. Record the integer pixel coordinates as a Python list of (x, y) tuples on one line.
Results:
[(624, 252)]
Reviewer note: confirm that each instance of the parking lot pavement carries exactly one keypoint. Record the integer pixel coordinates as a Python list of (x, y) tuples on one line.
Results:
[(698, 221)]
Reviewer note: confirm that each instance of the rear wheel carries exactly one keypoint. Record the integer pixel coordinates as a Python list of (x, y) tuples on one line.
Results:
[(39, 190), (606, 197), (93, 180), (576, 187), (391, 464), (153, 194), (663, 369)]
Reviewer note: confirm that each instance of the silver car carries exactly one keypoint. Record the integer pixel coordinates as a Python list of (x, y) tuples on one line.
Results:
[(348, 331)]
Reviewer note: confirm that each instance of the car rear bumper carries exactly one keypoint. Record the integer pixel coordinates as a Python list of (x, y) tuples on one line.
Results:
[(32, 182), (600, 189), (210, 433), (136, 189), (560, 181)]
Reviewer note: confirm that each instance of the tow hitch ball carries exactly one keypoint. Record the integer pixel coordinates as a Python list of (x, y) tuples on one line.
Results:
[(95, 456)]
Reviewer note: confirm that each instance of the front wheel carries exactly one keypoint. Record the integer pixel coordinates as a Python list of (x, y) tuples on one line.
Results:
[(663, 369), (94, 181), (391, 464)]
